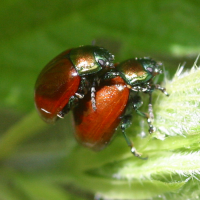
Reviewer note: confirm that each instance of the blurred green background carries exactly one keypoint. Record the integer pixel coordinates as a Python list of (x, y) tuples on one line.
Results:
[(36, 160)]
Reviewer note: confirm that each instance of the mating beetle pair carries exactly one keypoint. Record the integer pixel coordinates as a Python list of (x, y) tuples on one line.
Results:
[(65, 82)]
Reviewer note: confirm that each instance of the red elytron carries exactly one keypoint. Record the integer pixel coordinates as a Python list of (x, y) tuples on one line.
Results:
[(55, 85), (95, 128)]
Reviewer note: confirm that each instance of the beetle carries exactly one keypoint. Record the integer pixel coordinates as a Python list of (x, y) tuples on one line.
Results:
[(116, 98), (67, 78), (138, 74), (95, 128)]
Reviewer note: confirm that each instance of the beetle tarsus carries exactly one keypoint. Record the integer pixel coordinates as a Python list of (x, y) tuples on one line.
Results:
[(80, 96), (137, 154), (131, 145), (162, 89), (61, 115), (151, 128)]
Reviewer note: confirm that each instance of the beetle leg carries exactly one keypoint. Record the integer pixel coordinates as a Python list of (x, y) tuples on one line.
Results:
[(126, 123), (150, 113), (73, 101), (150, 107), (133, 149), (61, 114), (137, 103), (80, 96), (93, 96), (110, 75), (162, 89), (138, 88)]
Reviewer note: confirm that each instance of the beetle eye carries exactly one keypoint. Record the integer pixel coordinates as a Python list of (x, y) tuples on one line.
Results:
[(150, 70), (101, 62)]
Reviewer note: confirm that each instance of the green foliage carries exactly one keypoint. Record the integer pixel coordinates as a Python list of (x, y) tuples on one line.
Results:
[(40, 162)]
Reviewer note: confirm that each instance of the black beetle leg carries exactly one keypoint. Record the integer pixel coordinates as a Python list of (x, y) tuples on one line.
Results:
[(133, 149), (137, 103), (126, 122), (73, 101), (61, 114), (110, 75)]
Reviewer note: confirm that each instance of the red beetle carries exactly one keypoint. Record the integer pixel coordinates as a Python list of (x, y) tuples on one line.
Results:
[(115, 102), (95, 128), (67, 78)]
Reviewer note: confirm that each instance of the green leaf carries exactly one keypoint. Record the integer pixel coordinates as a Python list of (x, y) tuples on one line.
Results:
[(181, 109), (138, 190)]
